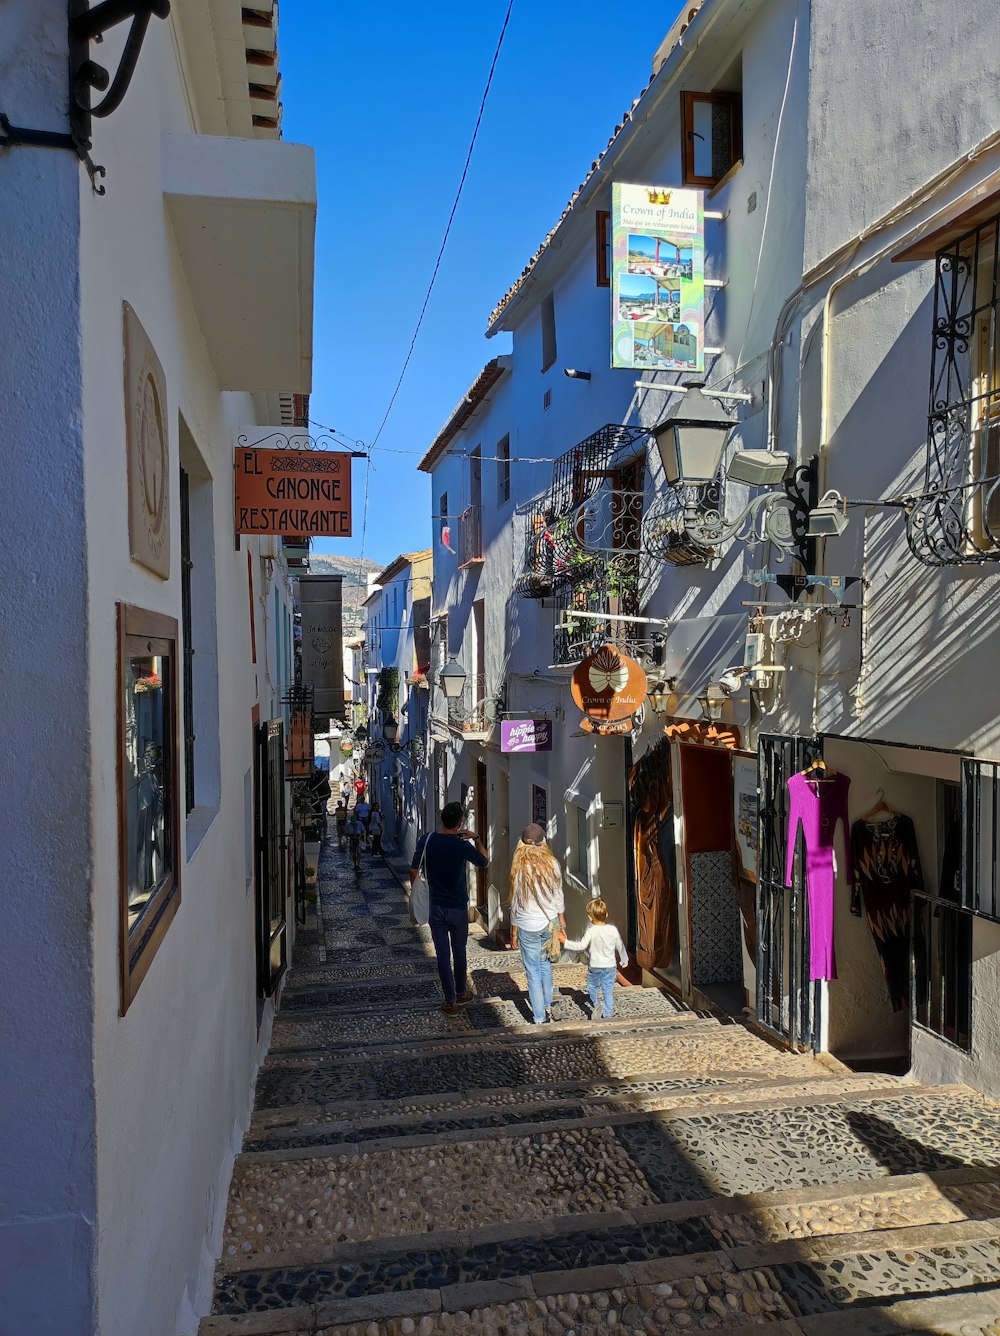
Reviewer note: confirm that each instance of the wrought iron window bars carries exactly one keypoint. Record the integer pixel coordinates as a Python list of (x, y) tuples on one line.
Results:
[(956, 519)]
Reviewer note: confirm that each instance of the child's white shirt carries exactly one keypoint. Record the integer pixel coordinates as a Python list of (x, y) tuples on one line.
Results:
[(601, 941)]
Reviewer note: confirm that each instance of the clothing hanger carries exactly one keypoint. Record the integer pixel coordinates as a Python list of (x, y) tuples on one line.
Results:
[(817, 765), (880, 806)]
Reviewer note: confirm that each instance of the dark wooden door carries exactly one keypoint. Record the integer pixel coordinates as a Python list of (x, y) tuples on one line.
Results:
[(483, 831), (270, 840)]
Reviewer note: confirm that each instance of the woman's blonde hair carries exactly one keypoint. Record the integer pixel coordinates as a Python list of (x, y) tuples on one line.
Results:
[(534, 874), (597, 911)]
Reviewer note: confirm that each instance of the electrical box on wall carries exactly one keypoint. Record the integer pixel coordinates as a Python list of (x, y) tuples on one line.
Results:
[(612, 816), (754, 649)]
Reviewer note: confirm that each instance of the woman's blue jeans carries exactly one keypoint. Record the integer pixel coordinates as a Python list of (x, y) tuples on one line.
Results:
[(538, 968)]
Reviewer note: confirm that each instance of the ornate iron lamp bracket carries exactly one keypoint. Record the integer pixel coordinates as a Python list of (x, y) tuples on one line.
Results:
[(778, 517), (86, 77)]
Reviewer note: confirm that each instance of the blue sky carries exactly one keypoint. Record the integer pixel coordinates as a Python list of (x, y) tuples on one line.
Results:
[(388, 95)]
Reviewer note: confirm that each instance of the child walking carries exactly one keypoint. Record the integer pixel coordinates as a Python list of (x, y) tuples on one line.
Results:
[(602, 942)]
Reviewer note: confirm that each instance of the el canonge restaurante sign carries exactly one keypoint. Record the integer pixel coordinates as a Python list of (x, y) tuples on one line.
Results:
[(608, 687), (295, 493)]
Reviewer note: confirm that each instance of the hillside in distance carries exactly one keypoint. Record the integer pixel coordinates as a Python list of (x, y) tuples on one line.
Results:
[(355, 571)]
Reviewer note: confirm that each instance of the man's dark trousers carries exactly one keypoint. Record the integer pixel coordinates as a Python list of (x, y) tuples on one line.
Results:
[(450, 933)]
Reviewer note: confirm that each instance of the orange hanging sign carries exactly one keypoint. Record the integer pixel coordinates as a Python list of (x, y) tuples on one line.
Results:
[(296, 493), (608, 687)]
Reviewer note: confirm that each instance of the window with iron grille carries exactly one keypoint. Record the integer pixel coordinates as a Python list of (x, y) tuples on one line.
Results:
[(943, 928), (957, 519), (187, 658)]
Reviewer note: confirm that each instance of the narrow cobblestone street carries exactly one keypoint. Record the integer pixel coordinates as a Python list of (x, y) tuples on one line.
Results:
[(412, 1172)]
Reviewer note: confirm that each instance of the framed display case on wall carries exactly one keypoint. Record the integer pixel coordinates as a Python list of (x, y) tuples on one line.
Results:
[(148, 775)]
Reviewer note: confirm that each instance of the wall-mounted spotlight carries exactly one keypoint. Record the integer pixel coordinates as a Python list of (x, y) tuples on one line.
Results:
[(758, 468), (829, 518), (576, 375)]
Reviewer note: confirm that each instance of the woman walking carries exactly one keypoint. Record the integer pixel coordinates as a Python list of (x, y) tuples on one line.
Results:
[(537, 915)]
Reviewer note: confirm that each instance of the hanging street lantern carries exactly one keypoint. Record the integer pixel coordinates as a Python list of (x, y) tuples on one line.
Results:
[(692, 439), (453, 678), (390, 730)]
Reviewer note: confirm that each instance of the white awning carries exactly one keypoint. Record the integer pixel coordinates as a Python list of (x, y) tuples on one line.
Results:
[(244, 218)]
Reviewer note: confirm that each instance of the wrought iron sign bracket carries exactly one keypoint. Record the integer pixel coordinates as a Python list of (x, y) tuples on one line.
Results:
[(86, 77), (19, 136)]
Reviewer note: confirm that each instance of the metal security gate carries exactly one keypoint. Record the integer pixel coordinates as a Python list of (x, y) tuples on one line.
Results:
[(272, 925), (787, 1001)]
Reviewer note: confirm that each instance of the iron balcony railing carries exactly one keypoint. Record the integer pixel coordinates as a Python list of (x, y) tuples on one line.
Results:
[(613, 591), (476, 710), (470, 536), (581, 471)]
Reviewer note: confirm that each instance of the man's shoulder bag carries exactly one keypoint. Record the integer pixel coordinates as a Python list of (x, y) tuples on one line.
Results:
[(420, 896)]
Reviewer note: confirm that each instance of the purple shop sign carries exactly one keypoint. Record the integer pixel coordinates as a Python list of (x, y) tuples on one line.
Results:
[(525, 735)]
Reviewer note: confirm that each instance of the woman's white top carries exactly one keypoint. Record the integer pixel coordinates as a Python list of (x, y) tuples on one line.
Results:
[(601, 941), (533, 915)]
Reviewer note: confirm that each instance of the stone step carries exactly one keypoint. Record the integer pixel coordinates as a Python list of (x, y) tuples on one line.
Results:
[(648, 1091), (438, 1035), (451, 1125), (492, 1278), (535, 1057), (299, 1204), (326, 988), (493, 1020)]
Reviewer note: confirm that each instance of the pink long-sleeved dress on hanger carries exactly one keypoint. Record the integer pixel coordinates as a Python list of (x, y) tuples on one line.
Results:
[(819, 804)]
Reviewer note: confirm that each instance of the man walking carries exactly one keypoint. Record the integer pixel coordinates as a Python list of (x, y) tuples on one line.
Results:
[(449, 851), (362, 811)]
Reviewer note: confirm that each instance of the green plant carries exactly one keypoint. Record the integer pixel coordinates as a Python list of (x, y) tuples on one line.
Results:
[(310, 872), (388, 691)]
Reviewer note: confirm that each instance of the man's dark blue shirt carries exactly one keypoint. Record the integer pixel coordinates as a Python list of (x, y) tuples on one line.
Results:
[(447, 856)]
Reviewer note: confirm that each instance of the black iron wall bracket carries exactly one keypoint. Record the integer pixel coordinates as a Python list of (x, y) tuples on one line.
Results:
[(86, 77)]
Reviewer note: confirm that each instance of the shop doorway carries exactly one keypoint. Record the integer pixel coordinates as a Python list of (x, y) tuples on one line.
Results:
[(271, 919), (715, 925), (654, 927), (483, 830)]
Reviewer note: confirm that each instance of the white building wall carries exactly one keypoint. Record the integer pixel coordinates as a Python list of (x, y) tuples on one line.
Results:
[(119, 1149), (47, 1114), (757, 250)]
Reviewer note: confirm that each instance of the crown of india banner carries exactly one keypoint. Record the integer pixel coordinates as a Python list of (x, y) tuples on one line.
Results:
[(657, 278)]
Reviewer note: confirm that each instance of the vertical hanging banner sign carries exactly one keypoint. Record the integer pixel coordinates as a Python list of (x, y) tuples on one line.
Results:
[(291, 491), (657, 278), (321, 605)]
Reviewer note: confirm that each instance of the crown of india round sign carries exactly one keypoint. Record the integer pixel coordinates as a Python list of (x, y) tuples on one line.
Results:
[(608, 687), (296, 493)]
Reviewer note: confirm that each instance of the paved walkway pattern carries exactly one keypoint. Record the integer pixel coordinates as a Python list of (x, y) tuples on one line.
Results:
[(412, 1172)]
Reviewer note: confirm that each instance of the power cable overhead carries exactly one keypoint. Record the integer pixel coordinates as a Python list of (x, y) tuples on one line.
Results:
[(447, 230)]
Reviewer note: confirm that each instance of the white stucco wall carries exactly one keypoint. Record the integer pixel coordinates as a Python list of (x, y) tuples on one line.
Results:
[(47, 1117), (174, 1075), (116, 1133), (898, 91)]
